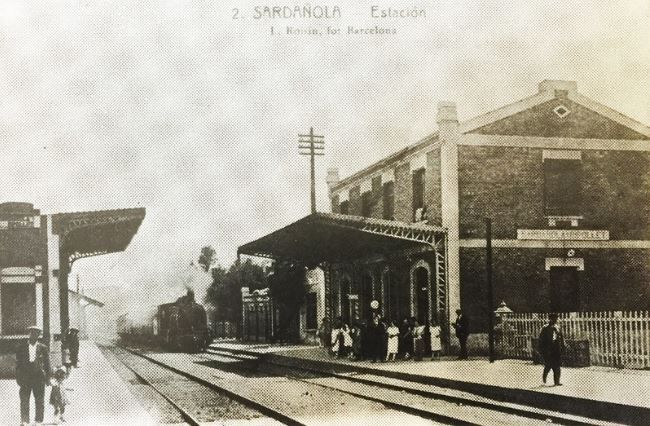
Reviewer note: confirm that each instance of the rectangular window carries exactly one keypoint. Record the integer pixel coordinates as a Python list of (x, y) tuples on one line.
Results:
[(366, 204), (311, 320), (562, 187), (344, 207), (418, 190), (388, 200)]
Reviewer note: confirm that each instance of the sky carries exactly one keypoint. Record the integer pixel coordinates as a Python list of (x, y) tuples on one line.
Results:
[(177, 107)]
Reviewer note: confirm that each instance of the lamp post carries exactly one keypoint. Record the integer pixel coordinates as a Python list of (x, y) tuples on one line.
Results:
[(501, 315)]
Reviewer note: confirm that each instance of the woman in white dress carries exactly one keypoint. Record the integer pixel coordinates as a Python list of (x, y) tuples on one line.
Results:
[(393, 341), (347, 341), (336, 341), (436, 345)]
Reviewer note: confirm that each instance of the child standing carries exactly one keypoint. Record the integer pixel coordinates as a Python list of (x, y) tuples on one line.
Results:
[(393, 341), (67, 363), (58, 398)]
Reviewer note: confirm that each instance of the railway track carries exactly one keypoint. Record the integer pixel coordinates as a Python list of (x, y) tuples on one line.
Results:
[(423, 400), (277, 392), (286, 401), (175, 399)]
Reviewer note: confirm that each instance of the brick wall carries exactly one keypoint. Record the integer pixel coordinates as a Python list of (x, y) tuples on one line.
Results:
[(335, 204), (377, 206), (507, 184), (613, 279), (432, 188), (616, 192), (403, 193), (355, 201), (542, 121)]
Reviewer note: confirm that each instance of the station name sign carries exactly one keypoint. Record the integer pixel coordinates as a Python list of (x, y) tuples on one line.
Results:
[(27, 222), (562, 234)]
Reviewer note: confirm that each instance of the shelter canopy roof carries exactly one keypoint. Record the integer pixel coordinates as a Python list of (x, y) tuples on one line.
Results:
[(333, 237), (92, 233)]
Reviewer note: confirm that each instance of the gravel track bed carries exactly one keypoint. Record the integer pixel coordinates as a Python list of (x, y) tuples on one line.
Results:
[(203, 403)]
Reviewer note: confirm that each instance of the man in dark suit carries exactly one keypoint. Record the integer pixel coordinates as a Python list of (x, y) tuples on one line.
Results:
[(72, 342), (462, 332), (551, 345), (32, 374)]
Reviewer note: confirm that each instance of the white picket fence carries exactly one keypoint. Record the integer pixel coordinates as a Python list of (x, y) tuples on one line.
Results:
[(616, 339)]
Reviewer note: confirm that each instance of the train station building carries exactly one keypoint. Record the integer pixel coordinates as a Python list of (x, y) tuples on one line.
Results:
[(564, 179), (37, 252)]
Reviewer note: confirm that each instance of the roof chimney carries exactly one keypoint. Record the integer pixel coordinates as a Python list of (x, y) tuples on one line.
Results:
[(332, 177), (552, 85), (447, 112)]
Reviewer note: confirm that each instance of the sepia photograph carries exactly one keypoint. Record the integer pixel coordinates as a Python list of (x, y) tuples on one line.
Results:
[(384, 212)]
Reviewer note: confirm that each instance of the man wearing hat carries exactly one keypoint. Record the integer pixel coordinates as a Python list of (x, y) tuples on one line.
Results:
[(551, 345), (72, 343), (32, 374)]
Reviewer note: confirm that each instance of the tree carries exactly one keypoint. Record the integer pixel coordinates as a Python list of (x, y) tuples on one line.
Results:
[(207, 258), (225, 291)]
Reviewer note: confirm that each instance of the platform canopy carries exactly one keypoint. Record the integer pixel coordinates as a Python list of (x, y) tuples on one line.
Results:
[(329, 237), (92, 233)]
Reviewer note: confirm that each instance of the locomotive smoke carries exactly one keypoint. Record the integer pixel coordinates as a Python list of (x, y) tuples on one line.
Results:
[(198, 281), (142, 303)]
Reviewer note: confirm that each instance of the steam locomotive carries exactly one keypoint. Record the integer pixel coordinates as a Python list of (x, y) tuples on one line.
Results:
[(178, 326)]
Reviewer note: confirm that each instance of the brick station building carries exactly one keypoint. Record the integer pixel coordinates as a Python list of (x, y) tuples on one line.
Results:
[(37, 252), (564, 179)]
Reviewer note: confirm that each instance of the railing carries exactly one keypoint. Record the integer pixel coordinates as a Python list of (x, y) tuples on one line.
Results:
[(616, 339)]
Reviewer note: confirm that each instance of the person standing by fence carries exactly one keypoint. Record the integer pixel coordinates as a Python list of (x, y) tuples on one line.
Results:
[(551, 345)]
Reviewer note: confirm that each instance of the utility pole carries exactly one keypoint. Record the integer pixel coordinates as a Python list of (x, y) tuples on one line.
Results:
[(312, 145), (490, 303)]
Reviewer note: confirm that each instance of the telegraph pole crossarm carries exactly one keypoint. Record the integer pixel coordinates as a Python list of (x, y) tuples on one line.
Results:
[(312, 145)]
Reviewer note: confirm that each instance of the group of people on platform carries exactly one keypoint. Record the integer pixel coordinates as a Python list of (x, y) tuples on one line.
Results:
[(381, 339), (34, 373)]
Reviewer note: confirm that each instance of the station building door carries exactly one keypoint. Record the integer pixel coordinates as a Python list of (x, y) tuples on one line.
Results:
[(422, 298), (565, 289)]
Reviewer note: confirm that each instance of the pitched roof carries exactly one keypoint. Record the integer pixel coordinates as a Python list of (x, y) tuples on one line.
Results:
[(548, 91)]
